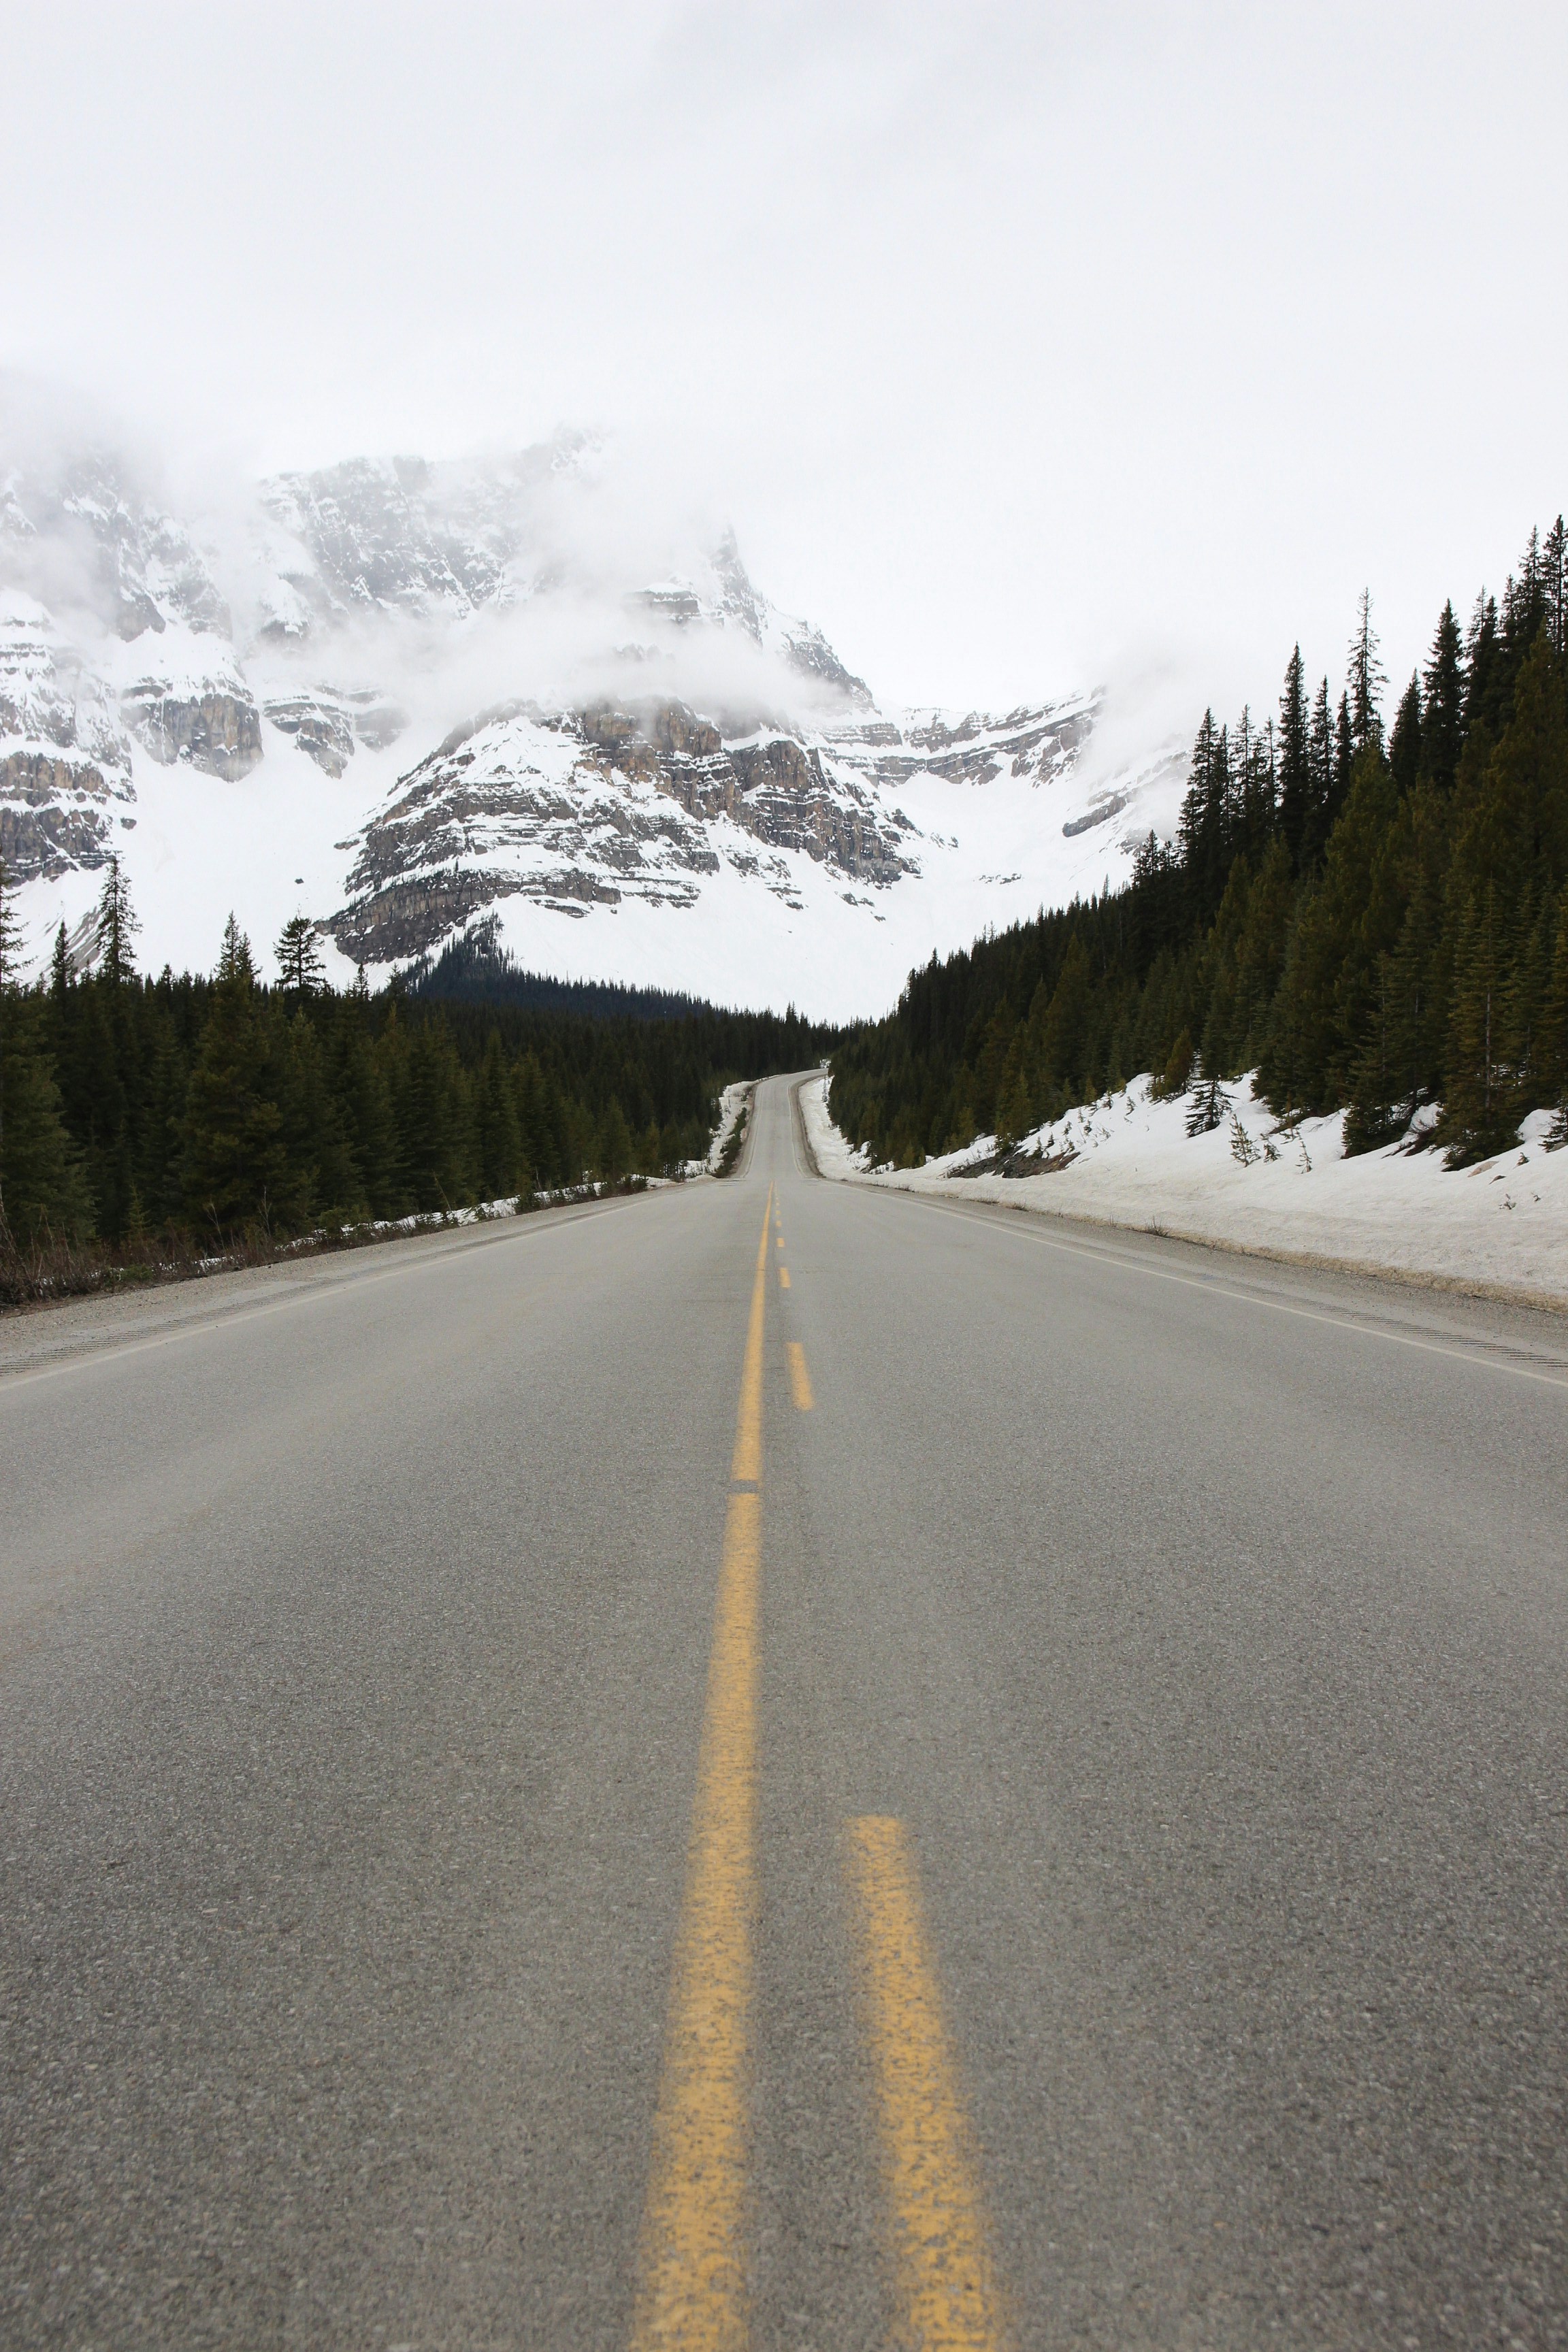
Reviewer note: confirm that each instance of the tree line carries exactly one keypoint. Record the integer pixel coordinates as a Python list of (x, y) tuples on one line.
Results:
[(1373, 918), (210, 1107)]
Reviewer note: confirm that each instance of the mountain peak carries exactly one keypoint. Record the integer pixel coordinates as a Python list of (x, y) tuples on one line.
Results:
[(405, 681)]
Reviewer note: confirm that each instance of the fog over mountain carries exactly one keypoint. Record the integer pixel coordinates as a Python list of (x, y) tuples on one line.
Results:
[(1034, 354), (513, 695)]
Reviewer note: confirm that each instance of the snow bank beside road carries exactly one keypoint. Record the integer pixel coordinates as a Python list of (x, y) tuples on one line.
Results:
[(731, 1103), (834, 1154), (1128, 1160)]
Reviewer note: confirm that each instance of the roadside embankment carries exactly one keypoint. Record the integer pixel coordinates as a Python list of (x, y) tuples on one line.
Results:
[(1499, 1229)]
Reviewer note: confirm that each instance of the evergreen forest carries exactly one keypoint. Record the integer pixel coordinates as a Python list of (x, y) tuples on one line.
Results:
[(1373, 917), (149, 1116)]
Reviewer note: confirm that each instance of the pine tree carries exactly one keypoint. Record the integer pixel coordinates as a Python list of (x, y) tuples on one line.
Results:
[(1344, 758), (236, 1165), (115, 925), (1295, 772), (1256, 786), (301, 964), (360, 1085), (1206, 819), (1063, 1041), (535, 1156), (1483, 667), (1321, 781), (1478, 1113), (434, 1120), (43, 1186), (1404, 746), (1525, 602), (1013, 1096), (495, 1114), (1554, 587), (326, 1185), (1367, 680), (235, 960), (1442, 713), (1514, 818), (1261, 954), (614, 1156)]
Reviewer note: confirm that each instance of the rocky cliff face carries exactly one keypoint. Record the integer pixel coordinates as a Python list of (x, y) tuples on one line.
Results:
[(573, 809), (64, 762), (212, 724)]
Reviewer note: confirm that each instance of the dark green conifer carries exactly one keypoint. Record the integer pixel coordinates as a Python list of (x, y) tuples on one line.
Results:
[(1295, 772), (614, 1154), (1405, 745), (301, 964), (236, 1170), (1367, 680), (1344, 758), (115, 925), (1321, 760), (1443, 712), (1480, 1115), (495, 1112)]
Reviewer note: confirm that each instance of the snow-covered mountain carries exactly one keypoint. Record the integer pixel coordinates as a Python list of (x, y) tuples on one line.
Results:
[(405, 698)]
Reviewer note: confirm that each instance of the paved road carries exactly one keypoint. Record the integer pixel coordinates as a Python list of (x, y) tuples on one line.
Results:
[(556, 1792)]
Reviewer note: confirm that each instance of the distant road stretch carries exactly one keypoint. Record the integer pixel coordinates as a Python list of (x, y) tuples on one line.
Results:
[(772, 1764)]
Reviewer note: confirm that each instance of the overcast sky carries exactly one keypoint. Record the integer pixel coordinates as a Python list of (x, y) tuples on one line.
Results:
[(1022, 344)]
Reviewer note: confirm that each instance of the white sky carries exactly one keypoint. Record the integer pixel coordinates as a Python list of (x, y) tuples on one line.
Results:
[(1023, 344)]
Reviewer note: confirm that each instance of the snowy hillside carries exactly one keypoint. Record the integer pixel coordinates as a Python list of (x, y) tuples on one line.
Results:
[(404, 699), (1250, 1182)]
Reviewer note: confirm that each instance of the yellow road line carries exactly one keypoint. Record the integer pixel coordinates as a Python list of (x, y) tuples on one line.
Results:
[(781, 1241), (944, 2274), (799, 1378), (783, 1277), (691, 2285)]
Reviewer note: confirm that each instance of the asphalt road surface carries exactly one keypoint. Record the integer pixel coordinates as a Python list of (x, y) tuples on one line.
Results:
[(556, 1789)]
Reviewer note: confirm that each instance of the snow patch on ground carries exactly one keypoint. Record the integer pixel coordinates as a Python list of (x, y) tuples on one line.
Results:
[(1251, 1184), (731, 1103), (836, 1155)]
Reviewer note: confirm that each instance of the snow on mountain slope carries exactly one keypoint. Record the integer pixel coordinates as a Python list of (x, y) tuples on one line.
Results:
[(404, 697)]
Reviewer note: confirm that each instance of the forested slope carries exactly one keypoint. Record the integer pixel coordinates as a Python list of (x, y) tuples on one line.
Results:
[(1372, 917), (132, 1106)]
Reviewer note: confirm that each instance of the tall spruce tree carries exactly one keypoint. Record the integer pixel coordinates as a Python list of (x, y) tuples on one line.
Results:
[(1321, 770), (1554, 587), (301, 964), (495, 1114), (43, 1186), (115, 925), (1443, 711), (1344, 758), (1405, 744), (237, 1170), (1366, 679), (1295, 771), (1483, 666)]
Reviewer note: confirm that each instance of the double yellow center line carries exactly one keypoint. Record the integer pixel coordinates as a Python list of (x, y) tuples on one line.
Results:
[(692, 2287)]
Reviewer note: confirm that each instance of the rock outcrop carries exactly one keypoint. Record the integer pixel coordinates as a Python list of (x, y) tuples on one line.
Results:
[(54, 815), (64, 761), (212, 723), (590, 807), (321, 728)]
